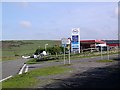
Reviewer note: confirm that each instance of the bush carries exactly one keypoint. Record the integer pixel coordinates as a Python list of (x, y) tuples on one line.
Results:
[(52, 50), (38, 51), (16, 55)]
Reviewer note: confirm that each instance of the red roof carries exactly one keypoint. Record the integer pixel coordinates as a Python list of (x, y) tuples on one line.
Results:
[(92, 41)]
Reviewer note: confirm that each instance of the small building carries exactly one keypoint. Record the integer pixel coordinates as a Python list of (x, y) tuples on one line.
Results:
[(97, 45), (112, 43), (85, 44)]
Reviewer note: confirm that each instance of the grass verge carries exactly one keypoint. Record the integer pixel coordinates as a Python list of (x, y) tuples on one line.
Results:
[(73, 57), (32, 61), (6, 58), (29, 80), (104, 61)]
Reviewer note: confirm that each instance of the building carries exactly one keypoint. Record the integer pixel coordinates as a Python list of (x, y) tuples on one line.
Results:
[(90, 43), (112, 43), (97, 45)]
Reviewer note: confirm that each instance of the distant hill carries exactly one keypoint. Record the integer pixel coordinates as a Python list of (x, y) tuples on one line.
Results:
[(24, 47)]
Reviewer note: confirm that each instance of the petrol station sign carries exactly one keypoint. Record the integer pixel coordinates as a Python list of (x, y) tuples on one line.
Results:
[(75, 40)]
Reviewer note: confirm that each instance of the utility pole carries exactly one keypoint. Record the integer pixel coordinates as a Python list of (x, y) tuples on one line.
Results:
[(101, 53), (69, 56), (45, 46), (108, 52), (64, 53)]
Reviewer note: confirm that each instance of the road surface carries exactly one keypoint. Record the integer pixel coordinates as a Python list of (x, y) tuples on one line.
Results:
[(12, 67)]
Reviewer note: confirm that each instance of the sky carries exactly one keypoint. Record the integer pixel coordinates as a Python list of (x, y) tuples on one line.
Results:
[(55, 20)]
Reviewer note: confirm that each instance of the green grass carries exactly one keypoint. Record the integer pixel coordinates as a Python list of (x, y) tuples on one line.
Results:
[(20, 81), (104, 61), (53, 70), (6, 58), (72, 57), (26, 47), (28, 80), (32, 61)]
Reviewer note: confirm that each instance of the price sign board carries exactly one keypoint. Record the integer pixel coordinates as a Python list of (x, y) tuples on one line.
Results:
[(75, 40), (65, 41)]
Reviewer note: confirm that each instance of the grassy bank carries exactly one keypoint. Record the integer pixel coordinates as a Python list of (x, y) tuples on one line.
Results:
[(72, 56), (28, 80)]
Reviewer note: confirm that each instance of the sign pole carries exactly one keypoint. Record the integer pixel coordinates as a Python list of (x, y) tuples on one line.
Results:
[(108, 53), (65, 42), (69, 56), (101, 53), (64, 54)]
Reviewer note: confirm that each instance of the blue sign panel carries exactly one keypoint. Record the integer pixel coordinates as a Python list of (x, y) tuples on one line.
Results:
[(75, 38), (63, 45), (75, 45), (75, 41)]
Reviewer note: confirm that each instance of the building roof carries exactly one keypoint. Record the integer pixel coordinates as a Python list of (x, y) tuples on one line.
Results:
[(92, 41)]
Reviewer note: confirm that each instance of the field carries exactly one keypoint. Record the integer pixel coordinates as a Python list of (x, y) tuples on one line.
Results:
[(16, 48)]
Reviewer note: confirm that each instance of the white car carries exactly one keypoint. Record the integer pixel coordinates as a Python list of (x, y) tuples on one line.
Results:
[(26, 57)]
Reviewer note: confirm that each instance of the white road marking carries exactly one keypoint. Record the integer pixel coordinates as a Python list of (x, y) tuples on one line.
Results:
[(26, 70), (6, 78), (22, 69)]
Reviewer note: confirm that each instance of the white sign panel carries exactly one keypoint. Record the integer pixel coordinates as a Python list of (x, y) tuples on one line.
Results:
[(68, 41), (65, 41)]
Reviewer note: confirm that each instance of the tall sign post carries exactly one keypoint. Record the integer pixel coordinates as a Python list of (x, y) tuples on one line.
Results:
[(108, 52), (101, 52), (75, 40), (65, 42), (64, 52), (69, 56), (68, 43)]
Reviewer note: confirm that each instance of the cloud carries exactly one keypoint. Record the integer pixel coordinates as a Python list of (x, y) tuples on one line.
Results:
[(25, 24)]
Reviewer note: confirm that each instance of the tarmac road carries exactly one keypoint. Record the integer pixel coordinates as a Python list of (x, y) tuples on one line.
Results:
[(12, 67)]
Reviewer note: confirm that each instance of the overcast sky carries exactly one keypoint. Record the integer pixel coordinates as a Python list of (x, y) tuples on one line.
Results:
[(53, 21)]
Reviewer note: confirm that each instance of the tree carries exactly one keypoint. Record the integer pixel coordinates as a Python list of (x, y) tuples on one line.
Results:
[(38, 51), (52, 50)]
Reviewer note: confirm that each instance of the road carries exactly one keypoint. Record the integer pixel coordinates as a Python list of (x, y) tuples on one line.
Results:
[(12, 67)]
